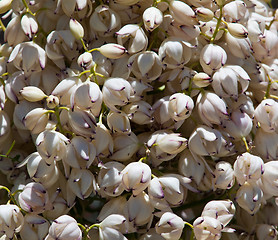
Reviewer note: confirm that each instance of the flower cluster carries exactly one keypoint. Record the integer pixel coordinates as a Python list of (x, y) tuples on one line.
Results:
[(139, 119)]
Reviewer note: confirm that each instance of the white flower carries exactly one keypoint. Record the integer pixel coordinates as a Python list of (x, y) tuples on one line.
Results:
[(269, 178), (139, 209), (81, 182), (34, 198), (110, 179), (85, 60), (224, 175), (80, 153), (235, 11), (212, 109), (112, 50), (228, 80), (249, 196), (76, 29), (212, 57), (116, 92), (152, 18), (64, 228), (180, 106), (136, 177), (28, 57), (145, 65), (133, 38), (237, 30), (105, 21), (109, 227), (118, 123), (29, 25), (5, 6), (125, 146), (204, 14), (266, 113), (11, 220), (170, 226), (51, 145), (182, 12), (248, 168), (35, 227), (14, 33), (201, 79), (266, 232), (207, 228), (36, 120), (174, 52)]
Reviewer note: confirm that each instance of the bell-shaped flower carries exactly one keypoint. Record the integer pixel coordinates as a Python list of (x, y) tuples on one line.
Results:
[(35, 227), (88, 96), (36, 120), (237, 30), (116, 92), (14, 33), (269, 178), (212, 58), (76, 29), (239, 125), (266, 113), (80, 153), (139, 209), (28, 57), (207, 228), (139, 112), (182, 13), (236, 11), (161, 112), (51, 145), (52, 101), (211, 108), (136, 177), (228, 80), (152, 18), (118, 122), (110, 179), (180, 106), (29, 25), (151, 235), (65, 88), (109, 228), (102, 140), (174, 53), (206, 141), (223, 175), (64, 228), (125, 145), (69, 8), (266, 232), (191, 165), (104, 21), (133, 38), (248, 168), (146, 66), (81, 182), (166, 191), (11, 220), (82, 122), (170, 226), (5, 126), (249, 197), (266, 144), (34, 198), (239, 47), (222, 210)]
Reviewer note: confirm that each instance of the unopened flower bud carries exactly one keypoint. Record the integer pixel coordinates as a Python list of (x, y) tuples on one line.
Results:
[(5, 5), (112, 50), (237, 30), (85, 60), (34, 198), (76, 29), (152, 18), (201, 79), (207, 228), (52, 101), (64, 228), (223, 175), (29, 25), (204, 14), (33, 94), (136, 177), (170, 226)]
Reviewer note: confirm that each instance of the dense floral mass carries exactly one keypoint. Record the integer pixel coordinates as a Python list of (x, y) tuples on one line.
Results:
[(139, 119)]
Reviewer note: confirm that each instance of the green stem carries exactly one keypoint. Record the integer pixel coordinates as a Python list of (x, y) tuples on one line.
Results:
[(245, 144), (2, 25), (93, 49), (27, 8), (83, 44), (268, 87), (217, 26)]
